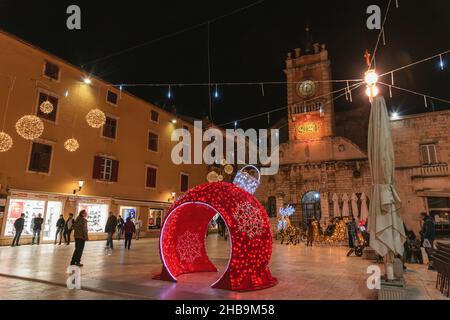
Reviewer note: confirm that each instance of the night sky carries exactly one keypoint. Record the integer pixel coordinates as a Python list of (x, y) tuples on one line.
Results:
[(248, 46)]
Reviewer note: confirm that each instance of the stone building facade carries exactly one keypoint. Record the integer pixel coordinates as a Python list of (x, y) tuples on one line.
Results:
[(323, 163)]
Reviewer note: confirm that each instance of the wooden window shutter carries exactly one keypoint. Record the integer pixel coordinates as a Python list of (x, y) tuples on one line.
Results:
[(115, 171), (97, 170)]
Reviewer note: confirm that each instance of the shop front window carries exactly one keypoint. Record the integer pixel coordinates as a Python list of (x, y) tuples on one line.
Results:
[(54, 210), (97, 215), (155, 217), (31, 209), (128, 212)]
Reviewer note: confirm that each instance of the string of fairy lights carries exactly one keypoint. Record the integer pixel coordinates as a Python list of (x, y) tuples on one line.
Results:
[(31, 127)]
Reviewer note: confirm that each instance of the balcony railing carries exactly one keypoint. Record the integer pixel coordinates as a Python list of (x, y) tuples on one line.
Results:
[(438, 170)]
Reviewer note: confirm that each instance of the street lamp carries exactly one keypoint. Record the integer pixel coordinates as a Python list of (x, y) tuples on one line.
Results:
[(371, 79), (80, 186)]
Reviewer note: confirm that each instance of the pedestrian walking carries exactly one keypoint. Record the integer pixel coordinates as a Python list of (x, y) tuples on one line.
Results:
[(138, 225), (59, 229), (37, 227), (352, 231), (18, 226), (81, 236), (310, 234), (120, 224), (68, 228), (128, 229), (110, 228), (428, 233)]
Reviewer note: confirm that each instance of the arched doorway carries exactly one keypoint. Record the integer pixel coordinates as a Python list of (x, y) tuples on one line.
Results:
[(310, 207), (272, 207)]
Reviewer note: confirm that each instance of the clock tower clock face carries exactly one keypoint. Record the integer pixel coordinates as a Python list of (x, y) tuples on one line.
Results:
[(306, 89)]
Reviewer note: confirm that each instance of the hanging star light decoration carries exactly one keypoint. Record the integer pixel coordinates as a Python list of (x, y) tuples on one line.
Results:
[(71, 145), (96, 118), (30, 127), (6, 142), (46, 107)]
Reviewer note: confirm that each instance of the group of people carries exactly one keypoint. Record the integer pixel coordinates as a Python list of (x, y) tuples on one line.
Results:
[(64, 229), (79, 227)]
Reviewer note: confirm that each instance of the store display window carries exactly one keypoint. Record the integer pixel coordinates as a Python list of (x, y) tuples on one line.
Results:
[(31, 209), (97, 215), (155, 217), (54, 210), (128, 212)]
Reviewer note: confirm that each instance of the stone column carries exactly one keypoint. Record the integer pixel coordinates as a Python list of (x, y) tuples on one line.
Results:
[(325, 208)]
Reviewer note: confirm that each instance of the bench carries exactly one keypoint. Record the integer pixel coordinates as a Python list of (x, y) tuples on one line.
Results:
[(441, 259)]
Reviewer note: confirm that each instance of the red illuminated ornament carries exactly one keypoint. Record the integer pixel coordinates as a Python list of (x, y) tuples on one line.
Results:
[(182, 245)]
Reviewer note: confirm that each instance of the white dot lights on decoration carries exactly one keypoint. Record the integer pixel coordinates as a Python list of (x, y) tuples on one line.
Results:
[(6, 142), (245, 181), (46, 107), (96, 118), (30, 127), (71, 145)]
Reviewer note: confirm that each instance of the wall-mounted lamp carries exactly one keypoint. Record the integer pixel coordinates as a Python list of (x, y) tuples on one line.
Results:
[(87, 80), (80, 186), (172, 199), (174, 121)]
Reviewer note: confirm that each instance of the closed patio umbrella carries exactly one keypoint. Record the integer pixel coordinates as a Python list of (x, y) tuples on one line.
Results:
[(387, 233), (355, 209), (364, 209), (336, 209), (345, 206)]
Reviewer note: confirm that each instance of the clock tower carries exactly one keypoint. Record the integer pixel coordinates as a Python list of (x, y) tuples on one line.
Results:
[(311, 110)]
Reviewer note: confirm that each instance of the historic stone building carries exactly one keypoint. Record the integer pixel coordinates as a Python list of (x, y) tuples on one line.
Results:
[(324, 165)]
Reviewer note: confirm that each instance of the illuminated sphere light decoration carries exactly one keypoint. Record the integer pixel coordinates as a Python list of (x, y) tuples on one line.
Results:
[(30, 127), (71, 145), (220, 178), (6, 142), (182, 241), (46, 107), (96, 118), (212, 177), (228, 169), (287, 211)]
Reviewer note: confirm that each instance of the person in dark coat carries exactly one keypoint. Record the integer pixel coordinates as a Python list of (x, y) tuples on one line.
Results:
[(352, 231), (120, 224), (428, 233), (128, 229), (68, 228), (81, 236), (110, 228), (59, 229), (37, 227), (18, 226), (310, 234)]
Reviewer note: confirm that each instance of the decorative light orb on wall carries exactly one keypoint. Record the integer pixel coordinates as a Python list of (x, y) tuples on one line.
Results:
[(71, 145), (212, 177), (46, 107), (6, 142), (30, 127), (96, 118), (228, 169)]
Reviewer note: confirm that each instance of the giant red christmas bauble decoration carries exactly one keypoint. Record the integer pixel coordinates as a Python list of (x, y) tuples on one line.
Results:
[(182, 242)]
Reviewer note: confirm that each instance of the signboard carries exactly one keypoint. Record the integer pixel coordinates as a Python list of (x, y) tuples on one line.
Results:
[(308, 127)]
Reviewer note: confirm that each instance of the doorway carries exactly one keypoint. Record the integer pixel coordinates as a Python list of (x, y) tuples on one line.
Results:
[(310, 208)]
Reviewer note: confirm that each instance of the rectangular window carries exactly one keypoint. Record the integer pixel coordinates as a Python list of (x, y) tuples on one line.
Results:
[(110, 128), (184, 182), (154, 116), (51, 70), (153, 141), (111, 97), (105, 169), (40, 158), (429, 154), (151, 177), (43, 97)]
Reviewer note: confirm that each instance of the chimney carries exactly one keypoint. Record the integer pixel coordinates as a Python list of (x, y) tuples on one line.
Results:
[(298, 52)]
